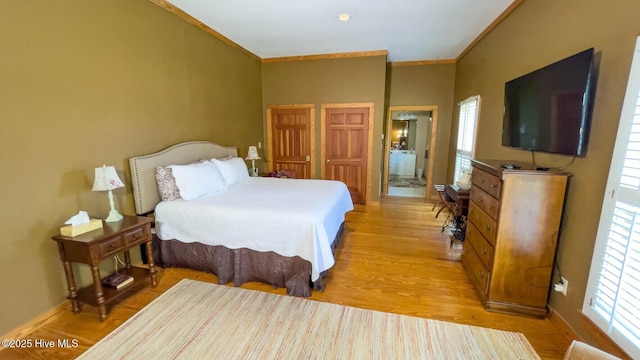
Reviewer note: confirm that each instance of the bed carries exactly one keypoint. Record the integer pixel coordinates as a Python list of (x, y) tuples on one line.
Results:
[(277, 231)]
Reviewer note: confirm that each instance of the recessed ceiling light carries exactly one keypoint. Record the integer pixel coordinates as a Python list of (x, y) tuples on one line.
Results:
[(344, 17)]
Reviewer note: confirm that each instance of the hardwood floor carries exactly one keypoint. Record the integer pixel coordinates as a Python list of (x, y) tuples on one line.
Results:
[(392, 258)]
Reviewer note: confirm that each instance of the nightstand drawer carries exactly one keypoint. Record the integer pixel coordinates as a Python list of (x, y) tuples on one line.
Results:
[(111, 246), (135, 236)]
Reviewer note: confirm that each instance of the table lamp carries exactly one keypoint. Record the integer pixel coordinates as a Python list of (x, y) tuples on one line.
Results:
[(253, 156), (106, 179)]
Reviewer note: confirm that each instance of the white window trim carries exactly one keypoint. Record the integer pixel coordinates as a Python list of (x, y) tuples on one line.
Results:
[(465, 155), (613, 195)]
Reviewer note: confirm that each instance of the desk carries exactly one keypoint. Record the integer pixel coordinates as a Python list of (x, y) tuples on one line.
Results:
[(457, 200)]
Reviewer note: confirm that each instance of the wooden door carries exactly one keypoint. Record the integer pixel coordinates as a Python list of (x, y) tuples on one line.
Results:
[(346, 148), (290, 140)]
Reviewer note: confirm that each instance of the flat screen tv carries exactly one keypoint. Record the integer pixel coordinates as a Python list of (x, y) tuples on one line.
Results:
[(550, 109)]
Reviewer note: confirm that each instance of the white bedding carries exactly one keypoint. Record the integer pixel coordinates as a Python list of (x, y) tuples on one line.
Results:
[(287, 216)]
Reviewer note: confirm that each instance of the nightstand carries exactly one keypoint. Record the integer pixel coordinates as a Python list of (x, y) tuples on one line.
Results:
[(92, 247)]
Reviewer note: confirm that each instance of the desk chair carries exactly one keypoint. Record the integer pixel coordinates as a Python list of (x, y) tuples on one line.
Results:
[(443, 199)]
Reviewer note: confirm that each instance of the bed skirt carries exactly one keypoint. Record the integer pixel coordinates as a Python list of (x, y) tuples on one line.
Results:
[(242, 265)]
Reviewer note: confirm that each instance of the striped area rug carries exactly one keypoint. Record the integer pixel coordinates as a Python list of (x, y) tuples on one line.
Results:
[(197, 320)]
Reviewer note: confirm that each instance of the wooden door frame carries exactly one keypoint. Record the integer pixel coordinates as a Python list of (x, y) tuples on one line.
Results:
[(312, 135), (323, 129), (432, 146)]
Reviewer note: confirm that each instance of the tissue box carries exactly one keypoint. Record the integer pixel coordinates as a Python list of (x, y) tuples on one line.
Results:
[(69, 230)]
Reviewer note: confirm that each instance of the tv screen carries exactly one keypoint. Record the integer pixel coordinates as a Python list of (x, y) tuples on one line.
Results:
[(550, 109)]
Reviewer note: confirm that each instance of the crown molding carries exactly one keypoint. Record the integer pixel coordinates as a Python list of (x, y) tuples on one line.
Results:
[(327, 56), (423, 62), (491, 26), (193, 21)]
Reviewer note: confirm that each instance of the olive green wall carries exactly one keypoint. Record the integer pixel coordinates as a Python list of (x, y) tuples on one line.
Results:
[(84, 83), (538, 33), (346, 80), (427, 85)]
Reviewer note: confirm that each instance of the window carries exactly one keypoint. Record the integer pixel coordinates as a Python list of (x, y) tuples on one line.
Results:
[(466, 135), (611, 300)]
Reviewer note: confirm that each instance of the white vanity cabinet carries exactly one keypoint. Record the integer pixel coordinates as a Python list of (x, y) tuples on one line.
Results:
[(393, 164), (402, 163)]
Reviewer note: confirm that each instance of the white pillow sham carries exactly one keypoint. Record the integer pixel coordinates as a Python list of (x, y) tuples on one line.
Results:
[(197, 180), (234, 171)]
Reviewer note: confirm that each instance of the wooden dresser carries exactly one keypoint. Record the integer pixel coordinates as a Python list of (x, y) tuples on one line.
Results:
[(512, 231)]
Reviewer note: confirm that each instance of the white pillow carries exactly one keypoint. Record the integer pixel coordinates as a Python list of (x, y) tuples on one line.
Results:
[(234, 171), (197, 180)]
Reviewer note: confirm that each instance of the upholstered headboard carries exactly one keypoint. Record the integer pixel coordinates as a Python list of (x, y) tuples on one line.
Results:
[(143, 168)]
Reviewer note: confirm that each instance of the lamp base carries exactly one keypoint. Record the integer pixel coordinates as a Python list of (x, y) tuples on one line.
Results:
[(114, 216)]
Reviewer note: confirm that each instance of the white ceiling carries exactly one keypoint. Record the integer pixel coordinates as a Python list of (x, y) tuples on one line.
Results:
[(410, 30)]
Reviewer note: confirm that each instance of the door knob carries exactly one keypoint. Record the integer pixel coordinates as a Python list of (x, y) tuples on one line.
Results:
[(328, 161), (307, 158)]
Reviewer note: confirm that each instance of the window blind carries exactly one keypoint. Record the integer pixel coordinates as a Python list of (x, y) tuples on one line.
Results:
[(612, 299), (467, 123)]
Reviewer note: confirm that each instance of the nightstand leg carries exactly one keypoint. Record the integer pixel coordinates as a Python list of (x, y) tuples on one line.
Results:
[(152, 267), (102, 309), (71, 282), (127, 259), (71, 285)]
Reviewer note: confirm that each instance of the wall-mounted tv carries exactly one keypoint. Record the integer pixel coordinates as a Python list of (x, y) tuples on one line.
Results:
[(550, 109)]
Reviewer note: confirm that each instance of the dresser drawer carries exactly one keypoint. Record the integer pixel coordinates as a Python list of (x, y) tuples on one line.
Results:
[(135, 236), (111, 246), (483, 222), (487, 202), (477, 272), (482, 247), (486, 181)]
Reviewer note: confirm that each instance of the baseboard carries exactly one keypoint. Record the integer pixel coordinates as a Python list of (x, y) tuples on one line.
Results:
[(601, 340), (560, 323), (36, 323), (597, 337)]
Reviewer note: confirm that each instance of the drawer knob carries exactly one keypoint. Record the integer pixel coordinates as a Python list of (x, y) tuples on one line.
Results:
[(487, 227), (481, 274), (490, 206), (492, 186), (113, 245), (484, 251), (482, 179), (480, 199)]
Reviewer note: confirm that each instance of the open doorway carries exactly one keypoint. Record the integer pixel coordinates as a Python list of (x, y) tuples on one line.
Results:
[(409, 150)]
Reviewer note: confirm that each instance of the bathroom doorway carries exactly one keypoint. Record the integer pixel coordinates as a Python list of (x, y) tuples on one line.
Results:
[(410, 138)]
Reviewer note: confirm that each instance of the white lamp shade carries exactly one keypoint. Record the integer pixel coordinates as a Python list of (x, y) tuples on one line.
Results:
[(106, 178), (253, 154)]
